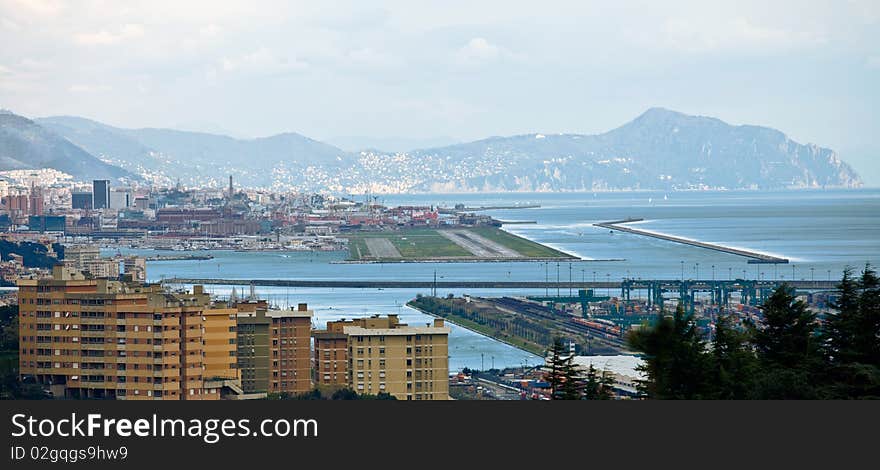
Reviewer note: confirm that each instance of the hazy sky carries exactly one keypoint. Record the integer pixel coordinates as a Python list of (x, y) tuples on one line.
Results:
[(462, 69)]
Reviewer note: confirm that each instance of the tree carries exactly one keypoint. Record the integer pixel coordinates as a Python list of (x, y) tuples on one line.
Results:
[(787, 348), (344, 394), (786, 337), (866, 340), (562, 374), (838, 331), (598, 386), (734, 365), (851, 338), (676, 362), (572, 384), (554, 373)]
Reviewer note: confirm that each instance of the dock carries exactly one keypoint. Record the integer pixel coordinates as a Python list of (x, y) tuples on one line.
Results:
[(456, 210), (180, 258), (754, 257)]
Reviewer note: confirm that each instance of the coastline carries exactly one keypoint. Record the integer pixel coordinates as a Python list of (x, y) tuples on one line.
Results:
[(450, 320)]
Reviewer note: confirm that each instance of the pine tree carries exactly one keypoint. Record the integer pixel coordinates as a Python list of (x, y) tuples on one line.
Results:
[(839, 329), (852, 338), (676, 362), (598, 386), (734, 363), (787, 348), (555, 368), (562, 373), (572, 385), (866, 339)]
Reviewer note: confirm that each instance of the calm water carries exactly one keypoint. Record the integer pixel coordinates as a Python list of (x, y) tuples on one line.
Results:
[(822, 230)]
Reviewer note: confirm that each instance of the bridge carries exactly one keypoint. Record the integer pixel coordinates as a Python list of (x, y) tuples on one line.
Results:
[(753, 256), (628, 284)]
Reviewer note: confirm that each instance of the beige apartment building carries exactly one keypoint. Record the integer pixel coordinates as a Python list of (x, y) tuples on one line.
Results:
[(384, 355), (103, 339)]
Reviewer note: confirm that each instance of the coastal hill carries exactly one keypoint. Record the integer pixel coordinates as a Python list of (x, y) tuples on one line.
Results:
[(163, 155), (660, 149), (25, 145)]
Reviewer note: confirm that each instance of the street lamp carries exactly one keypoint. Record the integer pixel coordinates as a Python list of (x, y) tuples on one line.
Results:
[(682, 270), (546, 279), (557, 279)]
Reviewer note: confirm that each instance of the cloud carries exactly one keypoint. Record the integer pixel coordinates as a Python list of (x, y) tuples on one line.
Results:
[(478, 50), (82, 88), (371, 58), (104, 37), (262, 60), (45, 8), (210, 30), (699, 35)]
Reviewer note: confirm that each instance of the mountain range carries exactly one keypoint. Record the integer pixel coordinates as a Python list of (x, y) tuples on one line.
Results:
[(660, 149), (25, 145)]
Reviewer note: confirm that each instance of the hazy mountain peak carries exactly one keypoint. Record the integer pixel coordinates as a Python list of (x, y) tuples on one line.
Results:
[(659, 149)]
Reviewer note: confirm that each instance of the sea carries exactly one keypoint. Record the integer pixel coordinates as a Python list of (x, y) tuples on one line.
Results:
[(821, 231)]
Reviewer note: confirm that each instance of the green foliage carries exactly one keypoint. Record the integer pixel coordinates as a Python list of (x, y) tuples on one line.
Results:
[(788, 355), (734, 365), (598, 386), (851, 338), (677, 362), (34, 255), (562, 374)]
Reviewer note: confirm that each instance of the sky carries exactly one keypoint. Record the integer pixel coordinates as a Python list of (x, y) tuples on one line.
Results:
[(451, 70)]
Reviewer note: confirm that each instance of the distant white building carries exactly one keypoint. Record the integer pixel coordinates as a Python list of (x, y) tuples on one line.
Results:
[(120, 199)]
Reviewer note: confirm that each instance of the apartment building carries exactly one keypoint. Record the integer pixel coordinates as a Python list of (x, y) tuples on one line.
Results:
[(274, 350), (106, 339), (384, 355), (87, 259)]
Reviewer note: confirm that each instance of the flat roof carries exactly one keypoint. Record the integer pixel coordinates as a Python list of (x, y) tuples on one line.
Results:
[(404, 331)]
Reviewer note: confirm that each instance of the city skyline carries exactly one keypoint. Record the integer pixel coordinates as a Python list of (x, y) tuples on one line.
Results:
[(423, 72)]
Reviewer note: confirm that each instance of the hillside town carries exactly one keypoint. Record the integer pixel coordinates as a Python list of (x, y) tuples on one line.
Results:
[(47, 206)]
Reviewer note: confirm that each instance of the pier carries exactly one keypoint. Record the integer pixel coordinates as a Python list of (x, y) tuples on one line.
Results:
[(754, 257)]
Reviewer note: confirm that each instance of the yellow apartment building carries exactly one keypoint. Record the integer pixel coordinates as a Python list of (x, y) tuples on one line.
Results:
[(105, 339), (384, 355)]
